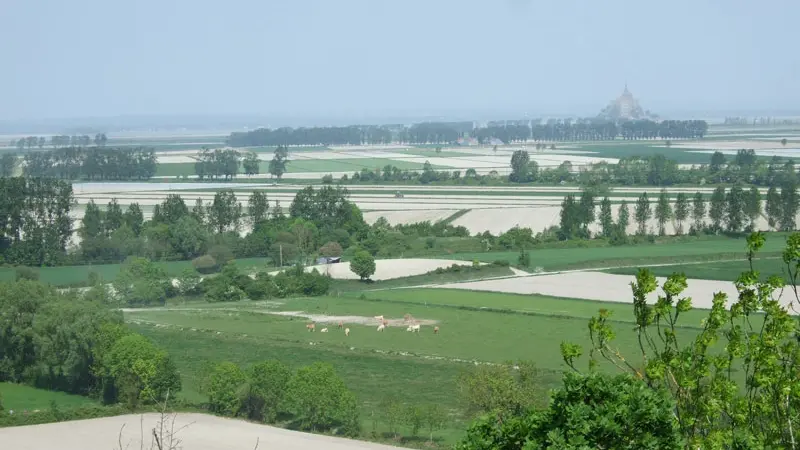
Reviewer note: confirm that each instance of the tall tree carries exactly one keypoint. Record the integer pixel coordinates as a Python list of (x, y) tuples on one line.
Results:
[(277, 167), (698, 211), (134, 218), (717, 162), (114, 217), (519, 167), (773, 207), (663, 211), (681, 210), (735, 209), (642, 213), (606, 219), (92, 223), (569, 218), (170, 210), (753, 206), (716, 210), (258, 206), (789, 206), (586, 211), (199, 211), (251, 163), (225, 212), (623, 217)]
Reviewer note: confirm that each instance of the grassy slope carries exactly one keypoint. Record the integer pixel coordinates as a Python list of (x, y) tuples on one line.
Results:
[(719, 270), (20, 398)]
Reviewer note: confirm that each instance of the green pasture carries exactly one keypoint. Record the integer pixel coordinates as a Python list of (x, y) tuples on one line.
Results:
[(308, 165), (673, 251), (715, 270), (75, 275), (20, 398)]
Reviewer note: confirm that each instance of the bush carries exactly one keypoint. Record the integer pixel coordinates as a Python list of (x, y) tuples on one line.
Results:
[(266, 386), (205, 264), (222, 254), (320, 400), (26, 273), (363, 265), (222, 387)]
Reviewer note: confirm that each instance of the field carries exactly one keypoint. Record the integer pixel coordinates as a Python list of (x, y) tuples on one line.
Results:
[(20, 398)]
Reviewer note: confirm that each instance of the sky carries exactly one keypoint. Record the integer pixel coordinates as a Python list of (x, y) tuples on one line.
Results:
[(362, 58)]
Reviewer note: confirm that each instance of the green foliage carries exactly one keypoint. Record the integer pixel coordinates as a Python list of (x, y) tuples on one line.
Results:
[(393, 412), (141, 283), (264, 391), (222, 387), (142, 372), (320, 401), (589, 411), (205, 264), (26, 273), (504, 389), (363, 265), (757, 337)]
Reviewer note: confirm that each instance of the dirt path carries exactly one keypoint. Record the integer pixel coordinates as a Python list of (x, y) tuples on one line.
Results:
[(359, 320)]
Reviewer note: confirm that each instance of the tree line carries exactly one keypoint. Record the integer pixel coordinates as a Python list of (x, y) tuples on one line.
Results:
[(92, 163), (731, 210), (443, 133), (228, 163), (57, 141)]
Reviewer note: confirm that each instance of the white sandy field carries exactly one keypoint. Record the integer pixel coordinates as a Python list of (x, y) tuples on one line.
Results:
[(604, 287), (202, 432), (387, 269)]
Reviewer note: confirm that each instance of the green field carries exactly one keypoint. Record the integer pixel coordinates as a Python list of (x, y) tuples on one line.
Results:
[(20, 398), (692, 249), (423, 367), (74, 275), (717, 270), (307, 165)]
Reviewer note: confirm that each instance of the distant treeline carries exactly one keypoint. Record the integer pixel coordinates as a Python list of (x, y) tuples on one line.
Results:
[(441, 132), (92, 163), (57, 141)]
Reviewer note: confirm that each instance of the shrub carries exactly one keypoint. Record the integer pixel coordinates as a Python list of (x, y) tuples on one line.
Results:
[(222, 254), (320, 400), (222, 387), (205, 264), (363, 265), (266, 386)]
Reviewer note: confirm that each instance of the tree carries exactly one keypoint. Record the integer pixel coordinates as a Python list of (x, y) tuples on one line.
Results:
[(784, 142), (698, 211), (134, 218), (735, 209), (100, 139), (663, 211), (8, 163), (755, 335), (606, 219), (199, 211), (264, 390), (586, 211), (331, 250), (142, 373), (589, 411), (681, 210), (92, 223), (188, 237), (717, 162), (141, 283), (222, 387), (225, 212), (502, 389), (716, 210), (752, 206), (623, 217), (277, 167), (773, 208), (258, 207), (319, 400), (519, 166), (789, 205), (251, 163), (393, 412), (363, 265), (642, 213), (435, 418), (113, 219)]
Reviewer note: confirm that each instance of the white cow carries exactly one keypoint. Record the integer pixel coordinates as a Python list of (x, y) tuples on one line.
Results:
[(381, 327), (324, 330), (347, 331), (380, 318), (413, 328)]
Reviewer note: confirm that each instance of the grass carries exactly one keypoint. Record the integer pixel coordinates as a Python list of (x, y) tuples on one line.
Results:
[(466, 274), (422, 368), (692, 249), (719, 270), (75, 275), (307, 165), (20, 398)]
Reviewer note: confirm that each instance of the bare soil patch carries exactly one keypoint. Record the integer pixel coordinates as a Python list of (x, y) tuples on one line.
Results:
[(358, 320)]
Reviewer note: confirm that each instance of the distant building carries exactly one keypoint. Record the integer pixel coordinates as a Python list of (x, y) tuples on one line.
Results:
[(625, 107), (329, 259)]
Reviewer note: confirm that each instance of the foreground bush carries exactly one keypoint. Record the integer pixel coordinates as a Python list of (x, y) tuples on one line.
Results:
[(320, 401)]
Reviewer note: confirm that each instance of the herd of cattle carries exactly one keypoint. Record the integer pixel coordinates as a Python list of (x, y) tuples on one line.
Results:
[(413, 326)]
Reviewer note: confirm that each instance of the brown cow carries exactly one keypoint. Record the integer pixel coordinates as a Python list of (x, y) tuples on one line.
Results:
[(310, 327), (341, 324), (435, 330)]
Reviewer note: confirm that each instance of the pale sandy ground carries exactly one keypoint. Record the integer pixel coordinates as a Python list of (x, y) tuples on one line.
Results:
[(734, 145), (406, 217), (603, 287), (202, 432), (782, 152), (387, 269), (359, 320)]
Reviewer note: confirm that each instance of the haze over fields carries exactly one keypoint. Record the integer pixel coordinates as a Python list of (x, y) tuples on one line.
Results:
[(318, 62)]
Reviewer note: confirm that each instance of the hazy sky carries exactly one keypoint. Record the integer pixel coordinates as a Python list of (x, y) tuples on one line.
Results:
[(362, 57)]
